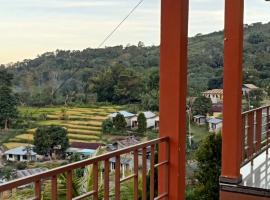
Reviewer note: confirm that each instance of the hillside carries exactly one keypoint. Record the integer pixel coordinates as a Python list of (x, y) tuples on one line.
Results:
[(40, 78)]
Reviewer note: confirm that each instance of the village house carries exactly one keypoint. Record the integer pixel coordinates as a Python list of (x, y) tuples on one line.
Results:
[(152, 120), (127, 115), (20, 154), (247, 88), (199, 119), (217, 109), (84, 149), (215, 125), (216, 95)]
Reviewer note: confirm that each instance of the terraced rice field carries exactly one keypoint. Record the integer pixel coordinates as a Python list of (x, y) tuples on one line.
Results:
[(83, 124)]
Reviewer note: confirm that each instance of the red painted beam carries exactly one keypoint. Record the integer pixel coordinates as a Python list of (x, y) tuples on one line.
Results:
[(173, 91), (233, 61)]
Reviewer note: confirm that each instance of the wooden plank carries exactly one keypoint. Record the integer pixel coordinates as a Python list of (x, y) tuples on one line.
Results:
[(69, 185), (54, 188), (106, 179), (136, 170), (117, 178)]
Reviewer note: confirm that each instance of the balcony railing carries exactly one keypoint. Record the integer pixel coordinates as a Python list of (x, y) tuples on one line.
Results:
[(145, 151), (255, 133)]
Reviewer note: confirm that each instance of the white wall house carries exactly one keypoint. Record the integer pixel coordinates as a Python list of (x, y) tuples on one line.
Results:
[(215, 125), (20, 154), (152, 120), (127, 115), (216, 95), (247, 88), (199, 119)]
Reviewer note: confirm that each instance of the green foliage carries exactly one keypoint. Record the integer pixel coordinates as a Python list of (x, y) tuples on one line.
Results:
[(130, 74), (107, 126), (201, 106), (8, 101), (47, 138), (208, 157), (142, 124), (150, 96), (7, 172), (119, 122), (256, 97), (117, 85)]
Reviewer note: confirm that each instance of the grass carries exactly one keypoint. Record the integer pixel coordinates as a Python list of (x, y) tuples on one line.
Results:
[(25, 136), (11, 145), (83, 123), (199, 132)]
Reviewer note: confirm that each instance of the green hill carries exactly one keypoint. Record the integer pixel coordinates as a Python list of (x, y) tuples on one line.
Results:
[(36, 81)]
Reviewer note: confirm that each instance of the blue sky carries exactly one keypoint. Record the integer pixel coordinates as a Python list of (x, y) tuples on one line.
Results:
[(32, 27)]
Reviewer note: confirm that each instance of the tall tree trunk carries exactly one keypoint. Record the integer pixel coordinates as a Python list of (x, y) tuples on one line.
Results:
[(6, 124)]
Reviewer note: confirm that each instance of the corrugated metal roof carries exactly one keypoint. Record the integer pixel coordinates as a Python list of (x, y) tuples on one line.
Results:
[(251, 86), (29, 172), (124, 113), (215, 121), (20, 151), (149, 114)]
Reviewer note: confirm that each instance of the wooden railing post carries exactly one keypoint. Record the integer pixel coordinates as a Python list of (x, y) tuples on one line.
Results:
[(173, 92)]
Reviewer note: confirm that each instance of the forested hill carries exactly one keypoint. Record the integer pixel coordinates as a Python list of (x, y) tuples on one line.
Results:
[(126, 74)]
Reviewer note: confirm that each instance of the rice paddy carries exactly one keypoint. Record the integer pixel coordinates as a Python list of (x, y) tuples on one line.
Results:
[(82, 124)]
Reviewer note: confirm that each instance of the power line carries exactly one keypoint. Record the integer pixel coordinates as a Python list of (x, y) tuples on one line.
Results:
[(100, 45), (116, 28)]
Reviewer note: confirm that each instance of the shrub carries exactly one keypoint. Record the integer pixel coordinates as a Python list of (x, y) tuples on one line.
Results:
[(107, 126), (119, 122), (142, 124)]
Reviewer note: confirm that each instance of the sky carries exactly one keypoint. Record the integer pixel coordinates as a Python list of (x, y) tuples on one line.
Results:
[(31, 27)]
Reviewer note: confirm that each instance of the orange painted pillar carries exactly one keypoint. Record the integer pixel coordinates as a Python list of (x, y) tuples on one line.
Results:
[(173, 91), (233, 61)]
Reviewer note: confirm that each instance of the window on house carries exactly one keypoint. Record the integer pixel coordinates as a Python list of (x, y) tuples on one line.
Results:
[(10, 156), (25, 157)]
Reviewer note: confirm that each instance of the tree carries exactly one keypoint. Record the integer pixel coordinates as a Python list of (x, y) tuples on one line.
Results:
[(49, 138), (107, 126), (8, 101), (119, 122), (201, 106), (142, 124), (255, 97), (208, 157)]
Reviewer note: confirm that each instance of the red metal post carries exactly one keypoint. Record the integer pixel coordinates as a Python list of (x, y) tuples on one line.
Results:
[(173, 90), (233, 61)]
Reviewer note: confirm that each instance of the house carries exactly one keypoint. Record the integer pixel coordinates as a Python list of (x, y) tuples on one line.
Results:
[(85, 150), (199, 119), (216, 95), (215, 125), (151, 120), (20, 154), (86, 145), (84, 153), (127, 116), (247, 88), (217, 109), (119, 144)]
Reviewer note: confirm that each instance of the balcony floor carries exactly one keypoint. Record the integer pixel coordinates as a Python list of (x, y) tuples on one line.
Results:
[(258, 175)]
